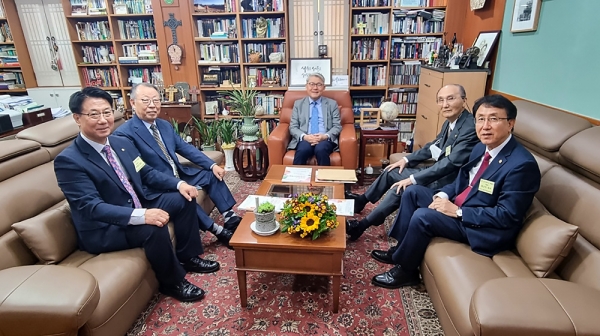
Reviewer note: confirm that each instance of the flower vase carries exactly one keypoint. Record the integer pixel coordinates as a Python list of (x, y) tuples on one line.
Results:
[(249, 129), (228, 150), (265, 222)]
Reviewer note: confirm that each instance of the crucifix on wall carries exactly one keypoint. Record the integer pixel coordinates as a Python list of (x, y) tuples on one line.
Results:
[(174, 50), (361, 27), (194, 92)]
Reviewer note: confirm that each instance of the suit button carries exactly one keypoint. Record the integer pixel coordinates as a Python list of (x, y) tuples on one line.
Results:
[(128, 201)]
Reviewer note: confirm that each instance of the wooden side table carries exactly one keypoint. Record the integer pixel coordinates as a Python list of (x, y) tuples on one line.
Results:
[(257, 160), (182, 113), (390, 137)]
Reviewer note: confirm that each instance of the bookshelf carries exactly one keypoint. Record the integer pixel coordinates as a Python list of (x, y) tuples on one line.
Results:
[(114, 43), (225, 37), (389, 40)]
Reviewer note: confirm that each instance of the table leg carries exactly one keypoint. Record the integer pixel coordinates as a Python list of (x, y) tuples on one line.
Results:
[(243, 289), (361, 159), (336, 293)]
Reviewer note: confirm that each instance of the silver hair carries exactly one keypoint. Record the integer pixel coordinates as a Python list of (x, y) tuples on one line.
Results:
[(315, 74), (135, 87), (461, 90)]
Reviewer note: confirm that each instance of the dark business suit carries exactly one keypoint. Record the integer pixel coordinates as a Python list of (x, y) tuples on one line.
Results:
[(490, 222), (461, 141), (219, 193), (101, 207)]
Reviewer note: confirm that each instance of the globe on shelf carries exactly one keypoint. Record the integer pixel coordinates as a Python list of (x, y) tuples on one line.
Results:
[(259, 110), (389, 111)]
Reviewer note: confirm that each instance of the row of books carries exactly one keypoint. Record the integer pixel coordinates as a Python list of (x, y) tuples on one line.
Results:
[(419, 3), (275, 27), (405, 74), (136, 29), (139, 53), (370, 23), (11, 79), (219, 52), (98, 54), (88, 7), (100, 76), (265, 49), (144, 75), (267, 76), (8, 55), (370, 3), (404, 96), (369, 75), (417, 23), (414, 47), (208, 26), (93, 31), (135, 6), (370, 49)]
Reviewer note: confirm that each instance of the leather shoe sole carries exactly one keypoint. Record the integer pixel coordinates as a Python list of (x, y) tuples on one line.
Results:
[(382, 256)]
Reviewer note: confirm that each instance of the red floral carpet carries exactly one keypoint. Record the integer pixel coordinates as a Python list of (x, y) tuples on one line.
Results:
[(285, 304)]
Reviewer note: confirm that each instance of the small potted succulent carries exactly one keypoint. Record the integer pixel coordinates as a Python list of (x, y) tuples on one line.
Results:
[(265, 217)]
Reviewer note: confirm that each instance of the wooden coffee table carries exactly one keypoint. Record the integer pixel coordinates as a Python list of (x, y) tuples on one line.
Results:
[(285, 253)]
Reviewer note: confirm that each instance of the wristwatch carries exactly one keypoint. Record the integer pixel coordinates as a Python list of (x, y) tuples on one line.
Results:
[(459, 213)]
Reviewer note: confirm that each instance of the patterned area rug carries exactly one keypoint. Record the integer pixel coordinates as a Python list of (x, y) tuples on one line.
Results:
[(285, 304)]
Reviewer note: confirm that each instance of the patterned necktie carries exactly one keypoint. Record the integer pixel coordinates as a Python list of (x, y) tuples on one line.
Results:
[(163, 148), (121, 174), (314, 119), (460, 199)]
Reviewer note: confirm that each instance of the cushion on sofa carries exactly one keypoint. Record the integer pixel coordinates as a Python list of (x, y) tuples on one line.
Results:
[(544, 242), (49, 235)]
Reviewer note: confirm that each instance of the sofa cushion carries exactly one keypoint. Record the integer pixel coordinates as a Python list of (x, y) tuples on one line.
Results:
[(544, 242), (49, 235)]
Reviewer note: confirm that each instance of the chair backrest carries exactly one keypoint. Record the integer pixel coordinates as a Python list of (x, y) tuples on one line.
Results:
[(342, 97)]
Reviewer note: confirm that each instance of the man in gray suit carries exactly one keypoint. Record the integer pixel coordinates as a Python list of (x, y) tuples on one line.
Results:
[(315, 124), (450, 150)]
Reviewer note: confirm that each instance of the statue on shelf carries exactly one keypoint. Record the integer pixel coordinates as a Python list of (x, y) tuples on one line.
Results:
[(261, 27), (231, 32)]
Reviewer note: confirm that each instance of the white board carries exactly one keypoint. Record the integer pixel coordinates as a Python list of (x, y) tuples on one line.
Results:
[(300, 68)]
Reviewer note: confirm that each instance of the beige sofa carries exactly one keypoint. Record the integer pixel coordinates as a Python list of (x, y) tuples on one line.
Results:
[(550, 284), (47, 286)]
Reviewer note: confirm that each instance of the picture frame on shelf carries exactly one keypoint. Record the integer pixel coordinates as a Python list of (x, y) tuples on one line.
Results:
[(486, 41), (526, 14), (120, 8)]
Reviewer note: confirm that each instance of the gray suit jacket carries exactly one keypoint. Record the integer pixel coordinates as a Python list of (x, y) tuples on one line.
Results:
[(300, 116), (461, 140)]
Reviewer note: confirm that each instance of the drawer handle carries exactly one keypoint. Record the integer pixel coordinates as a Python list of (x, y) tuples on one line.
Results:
[(424, 117), (427, 85)]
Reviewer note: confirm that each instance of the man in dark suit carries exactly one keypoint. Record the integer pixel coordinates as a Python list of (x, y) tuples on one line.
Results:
[(449, 151), (484, 207), (119, 202), (315, 125), (158, 143)]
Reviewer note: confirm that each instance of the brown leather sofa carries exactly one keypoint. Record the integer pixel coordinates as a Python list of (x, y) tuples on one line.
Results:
[(550, 283), (279, 139), (47, 286)]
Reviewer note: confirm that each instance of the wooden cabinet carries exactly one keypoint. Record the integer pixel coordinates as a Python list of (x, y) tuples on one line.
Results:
[(429, 120), (53, 96)]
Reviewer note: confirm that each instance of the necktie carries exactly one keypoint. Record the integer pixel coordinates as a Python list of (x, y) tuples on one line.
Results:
[(460, 199), (113, 163), (163, 148), (314, 119)]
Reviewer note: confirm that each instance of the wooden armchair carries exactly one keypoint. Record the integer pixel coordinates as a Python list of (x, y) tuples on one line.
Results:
[(278, 140)]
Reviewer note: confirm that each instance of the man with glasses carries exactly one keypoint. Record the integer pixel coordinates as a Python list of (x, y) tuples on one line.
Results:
[(446, 153), (315, 125), (484, 207), (158, 143), (118, 202)]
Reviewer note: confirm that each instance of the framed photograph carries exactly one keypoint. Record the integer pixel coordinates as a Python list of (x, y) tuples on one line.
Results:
[(300, 68), (525, 16), (486, 41)]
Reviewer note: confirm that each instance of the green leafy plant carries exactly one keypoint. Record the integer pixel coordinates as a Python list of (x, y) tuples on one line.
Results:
[(185, 133), (227, 131), (265, 207), (208, 131), (240, 100)]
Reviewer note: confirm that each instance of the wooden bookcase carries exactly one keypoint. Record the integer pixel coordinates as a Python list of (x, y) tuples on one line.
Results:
[(236, 46), (10, 17), (113, 71)]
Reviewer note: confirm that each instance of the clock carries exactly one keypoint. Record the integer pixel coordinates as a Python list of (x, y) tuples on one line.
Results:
[(175, 53), (477, 4)]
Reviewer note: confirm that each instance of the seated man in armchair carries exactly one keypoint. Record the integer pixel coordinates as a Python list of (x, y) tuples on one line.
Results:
[(315, 124)]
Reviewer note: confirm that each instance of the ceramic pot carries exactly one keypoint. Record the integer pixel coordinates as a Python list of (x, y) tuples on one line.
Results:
[(249, 129), (265, 222), (228, 157)]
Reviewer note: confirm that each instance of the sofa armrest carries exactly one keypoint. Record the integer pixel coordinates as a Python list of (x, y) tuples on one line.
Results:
[(534, 306), (46, 300), (277, 142), (348, 146)]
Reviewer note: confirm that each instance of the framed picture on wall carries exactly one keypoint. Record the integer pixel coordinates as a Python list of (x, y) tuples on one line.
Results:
[(486, 41), (301, 68), (525, 15)]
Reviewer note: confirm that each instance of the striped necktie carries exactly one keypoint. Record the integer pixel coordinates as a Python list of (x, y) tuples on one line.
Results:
[(460, 199), (121, 174), (163, 148)]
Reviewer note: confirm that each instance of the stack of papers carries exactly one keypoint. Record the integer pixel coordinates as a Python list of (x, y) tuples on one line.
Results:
[(297, 175), (336, 175)]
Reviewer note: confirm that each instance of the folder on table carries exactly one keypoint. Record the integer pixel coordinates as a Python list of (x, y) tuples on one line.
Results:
[(336, 175)]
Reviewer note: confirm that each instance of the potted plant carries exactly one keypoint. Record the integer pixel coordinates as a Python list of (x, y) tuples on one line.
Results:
[(185, 135), (265, 217), (242, 100), (227, 134), (208, 132)]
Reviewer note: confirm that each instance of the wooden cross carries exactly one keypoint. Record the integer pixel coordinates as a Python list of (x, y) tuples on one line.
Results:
[(361, 27), (171, 92), (172, 23), (194, 92)]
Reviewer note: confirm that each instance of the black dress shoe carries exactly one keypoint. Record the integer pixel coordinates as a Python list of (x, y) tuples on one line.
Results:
[(233, 223), (224, 237), (355, 229), (184, 291), (199, 265), (351, 195), (359, 201), (396, 278), (382, 256)]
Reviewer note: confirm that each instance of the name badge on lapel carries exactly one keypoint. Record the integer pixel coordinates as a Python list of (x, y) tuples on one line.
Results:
[(138, 163), (486, 186), (435, 152), (448, 150)]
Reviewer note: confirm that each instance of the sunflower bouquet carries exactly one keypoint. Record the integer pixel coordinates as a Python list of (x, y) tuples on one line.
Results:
[(308, 214)]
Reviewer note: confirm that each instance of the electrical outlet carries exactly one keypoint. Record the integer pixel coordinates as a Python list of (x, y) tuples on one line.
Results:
[(322, 50)]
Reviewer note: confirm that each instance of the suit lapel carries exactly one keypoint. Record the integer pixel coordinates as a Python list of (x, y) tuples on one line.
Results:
[(95, 158), (166, 133), (324, 112), (445, 130), (144, 134), (126, 162), (454, 134)]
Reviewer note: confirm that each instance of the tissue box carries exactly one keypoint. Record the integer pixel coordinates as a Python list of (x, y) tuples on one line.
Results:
[(5, 124), (36, 117)]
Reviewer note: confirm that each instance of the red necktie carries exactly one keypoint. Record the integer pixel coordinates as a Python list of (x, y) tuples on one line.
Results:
[(460, 199)]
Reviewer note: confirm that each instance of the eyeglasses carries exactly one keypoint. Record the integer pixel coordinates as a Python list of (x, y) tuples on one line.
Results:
[(146, 101), (96, 115), (491, 120), (319, 85), (449, 100)]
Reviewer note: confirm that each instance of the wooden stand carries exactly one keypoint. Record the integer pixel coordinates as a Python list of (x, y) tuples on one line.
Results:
[(388, 136), (254, 168)]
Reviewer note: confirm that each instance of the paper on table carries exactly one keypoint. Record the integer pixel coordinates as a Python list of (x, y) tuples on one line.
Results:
[(249, 204), (345, 175), (296, 175), (344, 207)]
